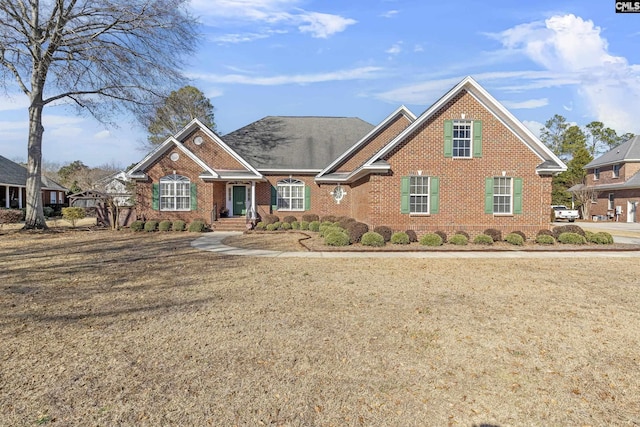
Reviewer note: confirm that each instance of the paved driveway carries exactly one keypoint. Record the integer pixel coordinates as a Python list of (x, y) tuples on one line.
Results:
[(622, 232)]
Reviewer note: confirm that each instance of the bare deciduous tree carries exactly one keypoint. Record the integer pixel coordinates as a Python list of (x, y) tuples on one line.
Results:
[(103, 56)]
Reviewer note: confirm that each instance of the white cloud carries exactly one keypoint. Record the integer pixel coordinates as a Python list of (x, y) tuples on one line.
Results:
[(17, 102), (395, 49), (323, 25), (531, 103), (284, 13), (340, 75), (390, 14), (576, 51)]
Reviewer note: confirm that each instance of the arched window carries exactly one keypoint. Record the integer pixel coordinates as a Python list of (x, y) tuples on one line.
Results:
[(175, 193), (290, 195)]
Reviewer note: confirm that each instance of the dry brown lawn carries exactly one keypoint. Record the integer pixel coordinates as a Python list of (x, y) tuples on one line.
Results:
[(109, 328)]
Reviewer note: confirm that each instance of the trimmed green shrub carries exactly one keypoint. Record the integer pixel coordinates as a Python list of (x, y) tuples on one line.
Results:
[(545, 232), (413, 237), (356, 230), (151, 225), (600, 238), (329, 218), (314, 226), (336, 238), (496, 235), (289, 219), (270, 219), (271, 227), (48, 211), (483, 239), (10, 216), (196, 226), (459, 239), (463, 233), (137, 226), (514, 239), (73, 214), (295, 225), (277, 225), (178, 225), (431, 239), (261, 226), (442, 235), (165, 225), (327, 230), (310, 217), (324, 226), (571, 238), (545, 239), (569, 228), (285, 226), (521, 234), (400, 238), (371, 238), (384, 231), (304, 225)]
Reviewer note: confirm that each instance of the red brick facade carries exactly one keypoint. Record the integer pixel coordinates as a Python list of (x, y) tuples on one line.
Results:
[(409, 147), (612, 203)]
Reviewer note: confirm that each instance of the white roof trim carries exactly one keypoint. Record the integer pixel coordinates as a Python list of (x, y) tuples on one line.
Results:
[(402, 110), (290, 171), (492, 105)]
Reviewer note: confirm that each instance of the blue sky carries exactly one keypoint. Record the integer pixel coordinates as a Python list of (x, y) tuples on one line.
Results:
[(364, 58)]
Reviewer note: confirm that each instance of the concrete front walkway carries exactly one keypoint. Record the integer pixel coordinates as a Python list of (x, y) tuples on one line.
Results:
[(212, 242)]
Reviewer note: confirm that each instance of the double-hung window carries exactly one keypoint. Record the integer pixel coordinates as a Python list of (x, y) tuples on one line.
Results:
[(503, 195), (462, 139), (175, 193), (291, 195), (419, 194), (596, 174), (616, 171)]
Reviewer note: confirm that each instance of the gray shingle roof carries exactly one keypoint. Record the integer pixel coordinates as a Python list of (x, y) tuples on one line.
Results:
[(624, 152), (12, 173), (295, 143)]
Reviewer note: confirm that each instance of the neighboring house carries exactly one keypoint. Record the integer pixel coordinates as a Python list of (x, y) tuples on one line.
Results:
[(466, 164), (13, 187), (613, 180), (118, 187)]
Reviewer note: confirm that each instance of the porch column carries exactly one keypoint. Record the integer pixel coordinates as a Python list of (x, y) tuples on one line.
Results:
[(6, 197), (19, 198), (253, 200)]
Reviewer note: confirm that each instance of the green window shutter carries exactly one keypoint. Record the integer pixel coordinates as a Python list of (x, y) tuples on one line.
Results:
[(194, 197), (448, 138), (434, 195), (307, 197), (517, 195), (477, 138), (155, 197), (404, 195), (488, 195), (274, 199)]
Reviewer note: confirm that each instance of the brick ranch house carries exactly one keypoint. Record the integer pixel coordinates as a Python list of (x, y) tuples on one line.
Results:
[(466, 163), (13, 187), (613, 180)]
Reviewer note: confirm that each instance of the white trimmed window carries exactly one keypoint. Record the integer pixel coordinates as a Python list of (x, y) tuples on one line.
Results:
[(616, 171), (290, 195), (502, 194), (53, 197), (462, 139), (175, 193), (419, 194), (596, 174), (611, 202)]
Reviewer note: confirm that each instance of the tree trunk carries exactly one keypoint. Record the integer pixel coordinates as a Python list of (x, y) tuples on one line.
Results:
[(34, 218)]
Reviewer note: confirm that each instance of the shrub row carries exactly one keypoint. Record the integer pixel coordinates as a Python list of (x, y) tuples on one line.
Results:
[(196, 226), (11, 216)]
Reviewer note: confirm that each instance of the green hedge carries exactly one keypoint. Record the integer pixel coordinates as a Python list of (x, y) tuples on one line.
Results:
[(371, 238), (431, 239)]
